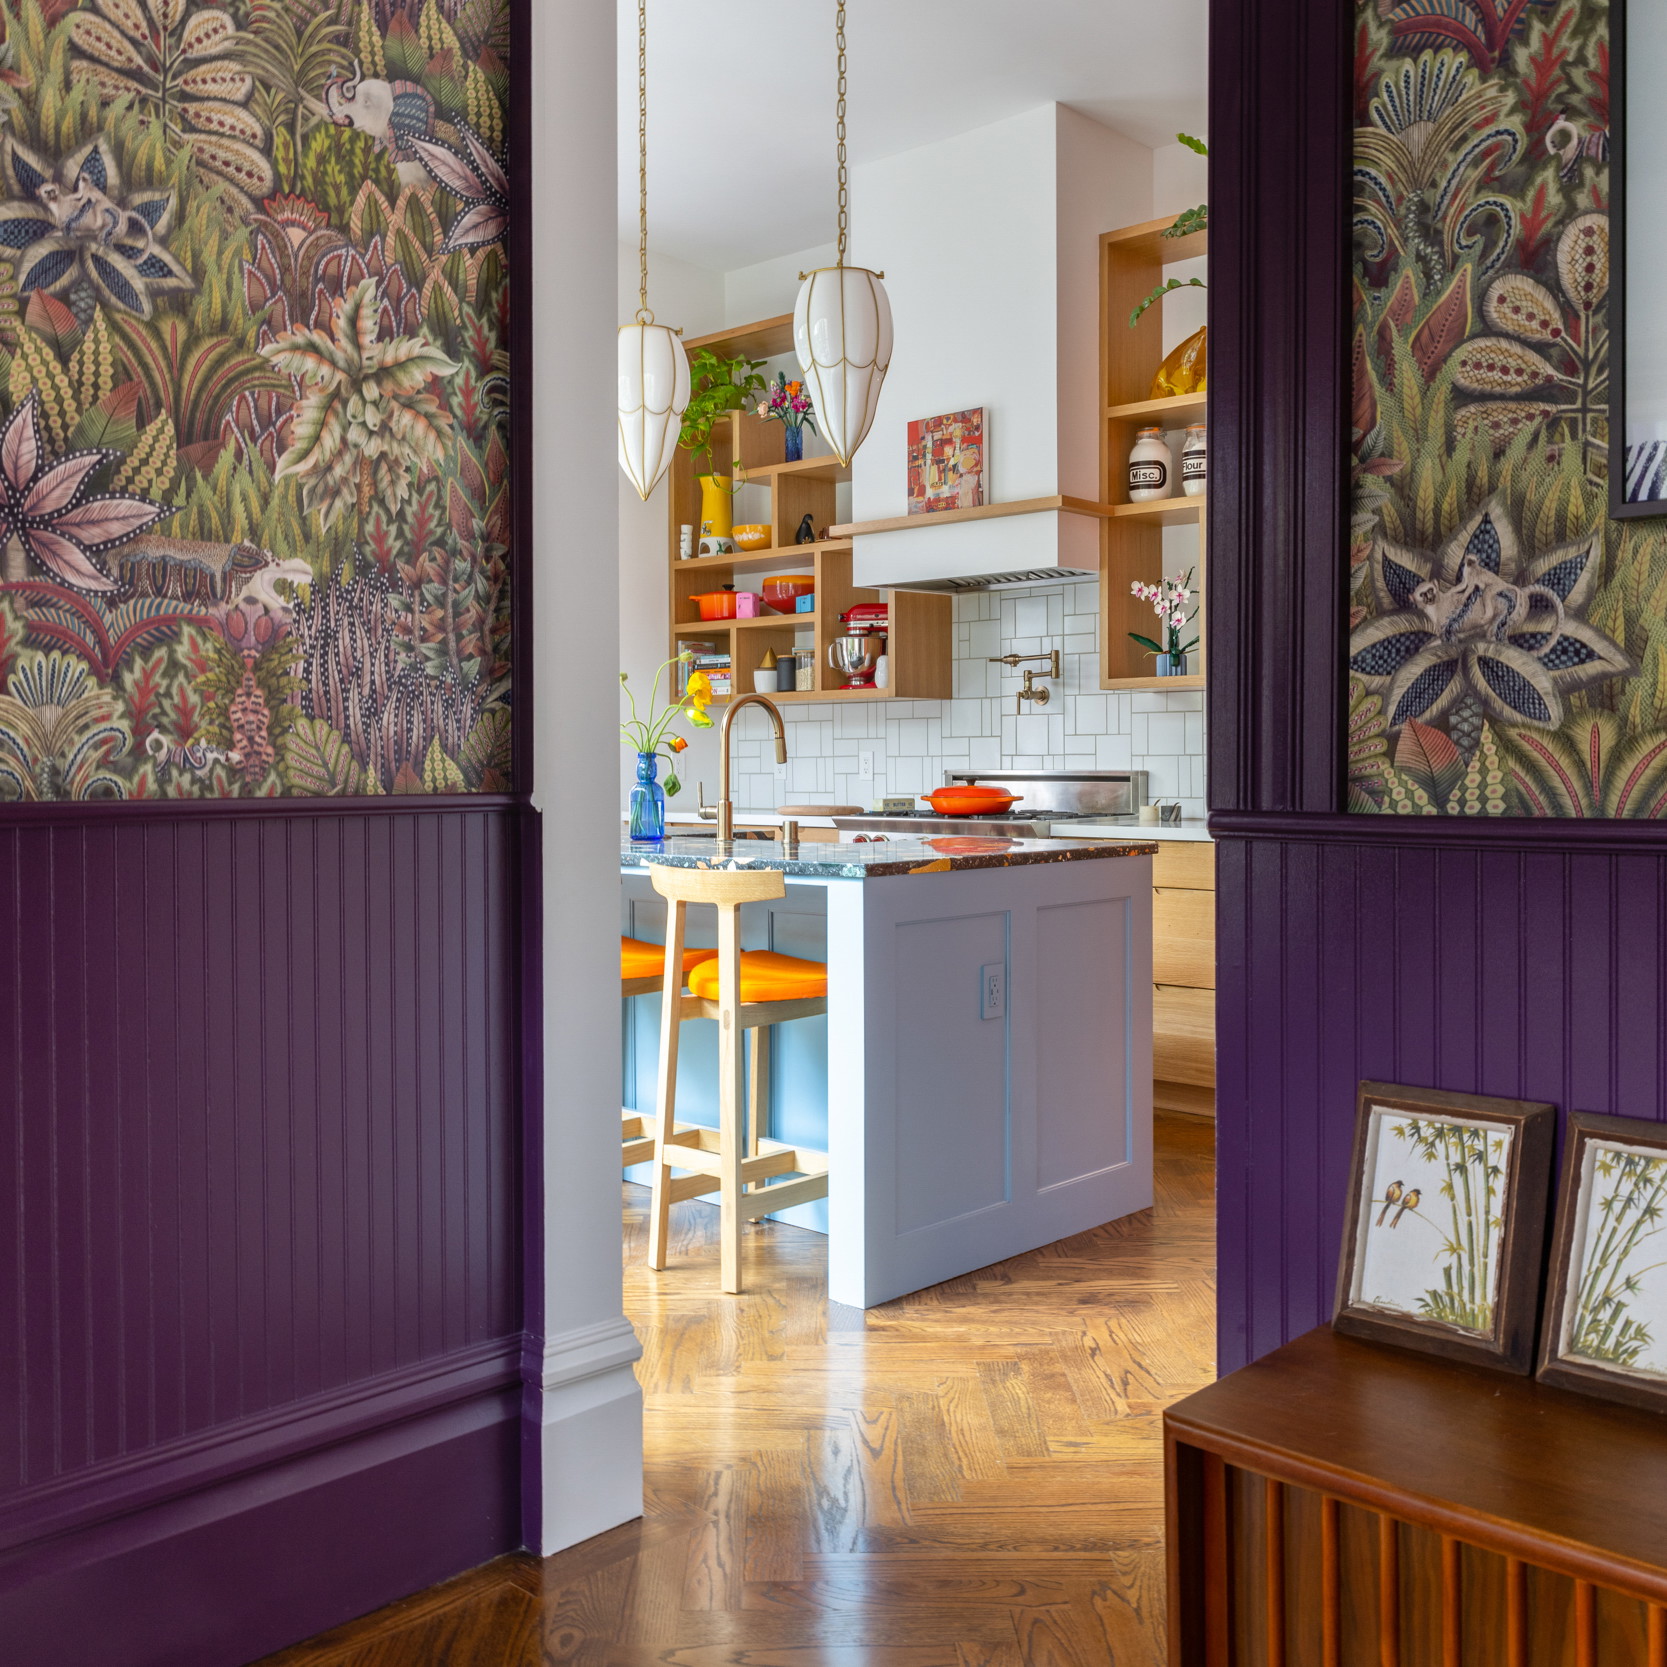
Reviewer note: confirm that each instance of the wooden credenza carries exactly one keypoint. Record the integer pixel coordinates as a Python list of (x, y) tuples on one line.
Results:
[(1346, 1504), (1184, 976)]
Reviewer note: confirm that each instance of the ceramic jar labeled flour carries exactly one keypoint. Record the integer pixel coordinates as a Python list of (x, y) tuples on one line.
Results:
[(1195, 462), (1150, 467)]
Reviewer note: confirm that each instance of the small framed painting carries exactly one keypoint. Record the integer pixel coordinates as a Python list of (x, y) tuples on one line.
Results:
[(948, 460), (1445, 1237), (1605, 1329)]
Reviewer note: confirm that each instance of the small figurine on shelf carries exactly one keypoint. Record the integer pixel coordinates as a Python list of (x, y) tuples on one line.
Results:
[(807, 532), (1169, 602)]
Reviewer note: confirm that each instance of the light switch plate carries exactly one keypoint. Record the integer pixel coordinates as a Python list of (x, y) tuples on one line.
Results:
[(865, 764), (992, 987)]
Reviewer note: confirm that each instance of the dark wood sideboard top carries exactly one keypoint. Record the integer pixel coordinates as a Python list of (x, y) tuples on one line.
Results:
[(1541, 1469)]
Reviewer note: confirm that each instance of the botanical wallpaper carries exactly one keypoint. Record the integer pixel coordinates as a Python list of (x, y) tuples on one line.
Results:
[(1508, 653), (253, 398)]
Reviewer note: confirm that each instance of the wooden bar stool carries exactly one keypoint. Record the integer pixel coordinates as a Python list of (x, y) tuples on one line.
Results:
[(742, 991), (642, 970)]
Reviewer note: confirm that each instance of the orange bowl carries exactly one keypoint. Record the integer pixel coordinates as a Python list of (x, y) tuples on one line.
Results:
[(782, 593), (753, 536)]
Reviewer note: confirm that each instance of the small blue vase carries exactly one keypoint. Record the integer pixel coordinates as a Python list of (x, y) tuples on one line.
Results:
[(1172, 665), (648, 802), (795, 445)]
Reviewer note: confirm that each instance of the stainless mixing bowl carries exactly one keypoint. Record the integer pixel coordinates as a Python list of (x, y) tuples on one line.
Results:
[(854, 658)]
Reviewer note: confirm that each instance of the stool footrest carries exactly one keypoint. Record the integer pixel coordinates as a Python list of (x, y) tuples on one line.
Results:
[(751, 1014), (784, 1195)]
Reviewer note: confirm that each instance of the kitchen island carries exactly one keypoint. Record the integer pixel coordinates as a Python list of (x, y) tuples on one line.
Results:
[(982, 1080)]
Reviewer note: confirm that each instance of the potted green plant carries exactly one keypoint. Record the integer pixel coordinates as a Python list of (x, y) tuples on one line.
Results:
[(719, 386)]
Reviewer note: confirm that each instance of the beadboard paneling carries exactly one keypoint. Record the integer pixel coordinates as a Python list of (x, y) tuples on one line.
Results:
[(258, 1127), (1509, 959)]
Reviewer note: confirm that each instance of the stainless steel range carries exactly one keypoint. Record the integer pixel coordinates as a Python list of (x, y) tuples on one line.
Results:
[(1046, 798)]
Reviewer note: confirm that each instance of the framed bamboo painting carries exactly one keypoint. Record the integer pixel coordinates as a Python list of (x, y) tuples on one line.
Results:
[(1445, 1233), (1605, 1329)]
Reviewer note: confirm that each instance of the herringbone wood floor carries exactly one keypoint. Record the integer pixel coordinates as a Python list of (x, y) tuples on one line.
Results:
[(967, 1477)]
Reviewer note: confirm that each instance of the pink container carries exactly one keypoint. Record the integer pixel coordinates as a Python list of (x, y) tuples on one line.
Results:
[(748, 604)]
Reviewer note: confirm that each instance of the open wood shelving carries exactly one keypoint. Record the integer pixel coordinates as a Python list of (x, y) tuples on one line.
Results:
[(1132, 260), (919, 639)]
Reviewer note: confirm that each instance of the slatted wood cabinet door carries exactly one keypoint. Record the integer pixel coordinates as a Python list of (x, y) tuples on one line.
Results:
[(1184, 976), (1347, 1504)]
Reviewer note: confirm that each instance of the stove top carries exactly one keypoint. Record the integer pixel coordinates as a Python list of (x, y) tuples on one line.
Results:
[(1047, 798)]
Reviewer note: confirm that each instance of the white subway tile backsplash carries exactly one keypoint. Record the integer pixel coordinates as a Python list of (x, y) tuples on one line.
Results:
[(915, 742)]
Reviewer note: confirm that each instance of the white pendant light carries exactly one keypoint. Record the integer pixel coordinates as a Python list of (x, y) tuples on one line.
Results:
[(842, 324), (653, 368)]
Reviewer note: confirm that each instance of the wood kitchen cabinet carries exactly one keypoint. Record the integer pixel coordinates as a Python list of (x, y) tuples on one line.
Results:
[(1184, 976)]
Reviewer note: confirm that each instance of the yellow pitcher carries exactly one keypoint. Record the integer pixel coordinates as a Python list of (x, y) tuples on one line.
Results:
[(717, 506)]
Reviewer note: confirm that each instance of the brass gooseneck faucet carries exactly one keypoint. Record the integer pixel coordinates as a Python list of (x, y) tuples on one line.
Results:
[(725, 809)]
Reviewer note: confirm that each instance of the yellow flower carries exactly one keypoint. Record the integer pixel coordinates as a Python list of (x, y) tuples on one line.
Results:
[(699, 697)]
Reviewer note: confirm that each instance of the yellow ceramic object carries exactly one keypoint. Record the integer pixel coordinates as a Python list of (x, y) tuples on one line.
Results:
[(752, 536), (717, 506), (1183, 371)]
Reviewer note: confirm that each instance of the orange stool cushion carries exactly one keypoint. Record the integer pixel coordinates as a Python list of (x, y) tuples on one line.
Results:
[(648, 960), (765, 976)]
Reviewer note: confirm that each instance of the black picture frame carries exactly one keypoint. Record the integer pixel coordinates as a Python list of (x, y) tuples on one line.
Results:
[(1525, 1201), (1620, 508), (1558, 1366)]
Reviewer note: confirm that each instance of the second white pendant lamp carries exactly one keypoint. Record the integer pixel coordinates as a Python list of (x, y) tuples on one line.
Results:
[(653, 368), (842, 323)]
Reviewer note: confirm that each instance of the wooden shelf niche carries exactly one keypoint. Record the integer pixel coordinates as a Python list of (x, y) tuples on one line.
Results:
[(1132, 262), (920, 637)]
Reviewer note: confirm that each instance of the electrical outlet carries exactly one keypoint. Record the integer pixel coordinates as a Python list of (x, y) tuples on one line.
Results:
[(865, 765), (992, 990)]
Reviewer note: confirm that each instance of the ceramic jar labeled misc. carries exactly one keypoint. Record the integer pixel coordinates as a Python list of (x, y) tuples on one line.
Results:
[(1195, 462), (1150, 468)]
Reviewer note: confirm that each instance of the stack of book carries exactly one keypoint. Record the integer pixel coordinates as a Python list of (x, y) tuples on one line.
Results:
[(716, 665)]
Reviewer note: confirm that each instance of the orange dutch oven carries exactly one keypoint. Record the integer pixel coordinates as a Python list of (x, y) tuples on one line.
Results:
[(971, 800)]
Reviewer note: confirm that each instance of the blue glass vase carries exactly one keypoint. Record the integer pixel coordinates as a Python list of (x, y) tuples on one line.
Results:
[(648, 802), (795, 445)]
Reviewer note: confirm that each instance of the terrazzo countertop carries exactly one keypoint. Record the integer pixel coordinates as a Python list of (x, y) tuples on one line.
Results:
[(939, 854)]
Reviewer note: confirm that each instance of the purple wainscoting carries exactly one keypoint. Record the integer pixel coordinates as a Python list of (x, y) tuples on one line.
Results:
[(260, 1276), (1516, 958)]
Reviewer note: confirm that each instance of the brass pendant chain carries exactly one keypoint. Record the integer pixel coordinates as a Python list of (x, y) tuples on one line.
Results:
[(844, 183), (644, 314)]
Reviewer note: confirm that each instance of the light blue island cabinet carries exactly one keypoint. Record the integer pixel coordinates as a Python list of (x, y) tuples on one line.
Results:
[(982, 1081)]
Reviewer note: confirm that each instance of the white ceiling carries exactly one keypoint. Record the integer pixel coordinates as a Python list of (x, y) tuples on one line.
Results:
[(741, 99)]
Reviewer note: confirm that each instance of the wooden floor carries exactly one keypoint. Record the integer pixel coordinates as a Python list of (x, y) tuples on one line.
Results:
[(967, 1477)]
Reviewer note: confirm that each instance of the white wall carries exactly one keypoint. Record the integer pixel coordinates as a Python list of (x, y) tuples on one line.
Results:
[(584, 1438), (691, 299), (771, 288), (965, 231), (1103, 180)]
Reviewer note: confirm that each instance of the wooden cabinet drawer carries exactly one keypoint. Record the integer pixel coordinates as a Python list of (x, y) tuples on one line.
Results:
[(1190, 863), (1184, 937), (1184, 1035)]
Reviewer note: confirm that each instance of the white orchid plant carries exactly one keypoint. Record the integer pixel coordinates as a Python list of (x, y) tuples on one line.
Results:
[(1170, 599)]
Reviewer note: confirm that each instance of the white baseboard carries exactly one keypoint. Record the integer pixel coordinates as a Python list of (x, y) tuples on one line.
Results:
[(589, 1432)]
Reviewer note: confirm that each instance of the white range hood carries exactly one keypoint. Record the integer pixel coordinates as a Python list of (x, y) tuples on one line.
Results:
[(990, 242)]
